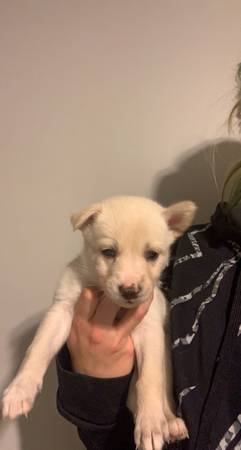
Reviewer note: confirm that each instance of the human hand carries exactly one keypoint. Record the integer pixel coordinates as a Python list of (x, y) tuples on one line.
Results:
[(99, 346)]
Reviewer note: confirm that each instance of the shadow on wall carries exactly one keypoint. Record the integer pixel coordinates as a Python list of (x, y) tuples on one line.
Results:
[(192, 177), (44, 428)]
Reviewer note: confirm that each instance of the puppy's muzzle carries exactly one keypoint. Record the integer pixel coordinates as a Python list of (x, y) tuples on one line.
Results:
[(130, 292)]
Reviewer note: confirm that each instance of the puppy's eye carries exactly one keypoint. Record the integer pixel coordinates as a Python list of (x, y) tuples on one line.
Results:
[(109, 252), (151, 255)]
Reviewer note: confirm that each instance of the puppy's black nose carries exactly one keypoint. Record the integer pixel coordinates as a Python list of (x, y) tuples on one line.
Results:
[(129, 292)]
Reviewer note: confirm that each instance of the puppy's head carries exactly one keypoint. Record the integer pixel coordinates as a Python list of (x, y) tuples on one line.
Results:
[(127, 242)]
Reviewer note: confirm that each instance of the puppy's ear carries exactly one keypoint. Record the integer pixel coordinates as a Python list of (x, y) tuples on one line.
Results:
[(180, 216), (85, 217)]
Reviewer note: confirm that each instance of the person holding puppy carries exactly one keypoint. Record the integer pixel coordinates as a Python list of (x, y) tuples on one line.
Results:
[(203, 286)]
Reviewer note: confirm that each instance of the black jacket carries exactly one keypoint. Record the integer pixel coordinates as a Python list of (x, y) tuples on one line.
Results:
[(203, 285)]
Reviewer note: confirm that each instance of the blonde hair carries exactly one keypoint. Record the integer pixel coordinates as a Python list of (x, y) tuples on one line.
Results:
[(235, 114), (232, 185)]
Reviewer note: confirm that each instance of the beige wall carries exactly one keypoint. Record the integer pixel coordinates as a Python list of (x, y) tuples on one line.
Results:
[(98, 98)]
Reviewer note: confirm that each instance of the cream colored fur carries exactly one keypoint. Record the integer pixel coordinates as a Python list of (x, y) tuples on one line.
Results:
[(132, 227)]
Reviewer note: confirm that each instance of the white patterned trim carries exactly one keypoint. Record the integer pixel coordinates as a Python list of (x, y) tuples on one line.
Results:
[(197, 251), (230, 434), (183, 394), (226, 265)]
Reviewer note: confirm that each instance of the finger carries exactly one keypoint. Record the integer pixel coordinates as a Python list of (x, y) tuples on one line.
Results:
[(87, 304), (132, 318), (105, 313)]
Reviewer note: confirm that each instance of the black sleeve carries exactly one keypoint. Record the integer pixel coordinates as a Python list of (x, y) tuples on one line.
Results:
[(97, 406)]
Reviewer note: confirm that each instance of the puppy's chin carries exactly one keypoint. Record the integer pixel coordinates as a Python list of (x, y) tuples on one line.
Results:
[(127, 303), (124, 303)]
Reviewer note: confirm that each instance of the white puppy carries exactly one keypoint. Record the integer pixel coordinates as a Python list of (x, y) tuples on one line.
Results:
[(126, 247)]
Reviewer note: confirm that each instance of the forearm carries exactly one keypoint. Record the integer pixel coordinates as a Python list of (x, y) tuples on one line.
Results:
[(96, 406)]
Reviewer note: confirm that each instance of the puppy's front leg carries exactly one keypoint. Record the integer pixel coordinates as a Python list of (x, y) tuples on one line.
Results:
[(151, 427), (53, 331), (155, 421)]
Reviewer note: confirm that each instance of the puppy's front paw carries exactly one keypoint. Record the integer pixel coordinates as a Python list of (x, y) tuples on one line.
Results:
[(19, 397), (177, 429), (151, 430)]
